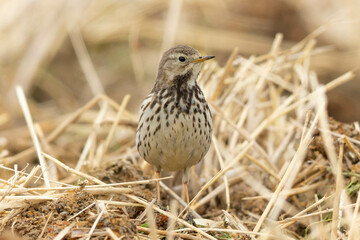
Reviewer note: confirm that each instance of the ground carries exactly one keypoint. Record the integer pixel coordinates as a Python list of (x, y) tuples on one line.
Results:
[(48, 218)]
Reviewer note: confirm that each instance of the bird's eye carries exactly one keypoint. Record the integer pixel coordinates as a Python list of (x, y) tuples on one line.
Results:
[(182, 59)]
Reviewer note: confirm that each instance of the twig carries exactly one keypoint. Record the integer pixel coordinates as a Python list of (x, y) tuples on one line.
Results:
[(33, 173), (297, 157), (262, 166), (221, 83), (226, 182), (172, 20), (151, 220), (218, 175), (290, 192), (171, 216), (92, 136), (177, 198), (77, 214), (85, 62), (336, 206), (115, 124), (171, 223), (212, 194), (350, 146), (122, 204), (67, 168), (112, 234), (64, 231), (46, 223), (353, 226), (96, 222), (168, 233), (56, 132), (316, 213), (29, 121)]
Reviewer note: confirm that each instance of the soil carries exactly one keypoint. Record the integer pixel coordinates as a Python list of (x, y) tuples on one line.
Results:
[(50, 217)]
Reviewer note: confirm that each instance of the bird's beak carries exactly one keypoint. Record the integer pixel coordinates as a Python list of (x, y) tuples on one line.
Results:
[(202, 59)]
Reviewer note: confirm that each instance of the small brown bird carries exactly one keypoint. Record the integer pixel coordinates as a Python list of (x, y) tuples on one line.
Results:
[(175, 125)]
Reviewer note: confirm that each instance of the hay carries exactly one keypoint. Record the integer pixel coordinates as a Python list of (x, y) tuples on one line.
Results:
[(279, 167), (264, 171)]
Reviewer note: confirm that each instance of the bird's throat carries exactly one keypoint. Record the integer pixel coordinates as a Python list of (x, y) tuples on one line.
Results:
[(184, 79)]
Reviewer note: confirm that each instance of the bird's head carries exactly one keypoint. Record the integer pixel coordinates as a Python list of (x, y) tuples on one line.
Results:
[(180, 65)]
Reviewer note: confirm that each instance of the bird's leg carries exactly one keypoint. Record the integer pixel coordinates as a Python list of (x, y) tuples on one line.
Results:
[(185, 186), (188, 216), (185, 181), (158, 185)]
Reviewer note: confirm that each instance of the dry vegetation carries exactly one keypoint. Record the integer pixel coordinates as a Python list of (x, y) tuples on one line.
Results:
[(279, 167)]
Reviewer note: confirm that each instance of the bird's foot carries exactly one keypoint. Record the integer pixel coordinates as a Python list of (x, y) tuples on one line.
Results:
[(190, 218)]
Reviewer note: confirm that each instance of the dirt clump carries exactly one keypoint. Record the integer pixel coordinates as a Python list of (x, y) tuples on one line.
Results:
[(49, 218)]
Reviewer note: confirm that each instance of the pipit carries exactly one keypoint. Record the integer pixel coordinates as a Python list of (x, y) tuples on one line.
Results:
[(175, 125)]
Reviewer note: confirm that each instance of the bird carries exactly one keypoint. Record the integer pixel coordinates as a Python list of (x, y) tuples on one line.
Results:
[(175, 124)]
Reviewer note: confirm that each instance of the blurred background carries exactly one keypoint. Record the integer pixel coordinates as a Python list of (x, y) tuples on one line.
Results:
[(65, 52)]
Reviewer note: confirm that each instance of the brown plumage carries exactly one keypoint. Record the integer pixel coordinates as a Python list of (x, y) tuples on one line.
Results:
[(175, 124)]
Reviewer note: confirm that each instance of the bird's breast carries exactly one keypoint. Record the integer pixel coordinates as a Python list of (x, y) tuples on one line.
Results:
[(174, 130)]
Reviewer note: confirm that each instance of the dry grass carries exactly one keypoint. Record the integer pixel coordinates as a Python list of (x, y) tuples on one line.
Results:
[(278, 167), (266, 110), (45, 45)]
